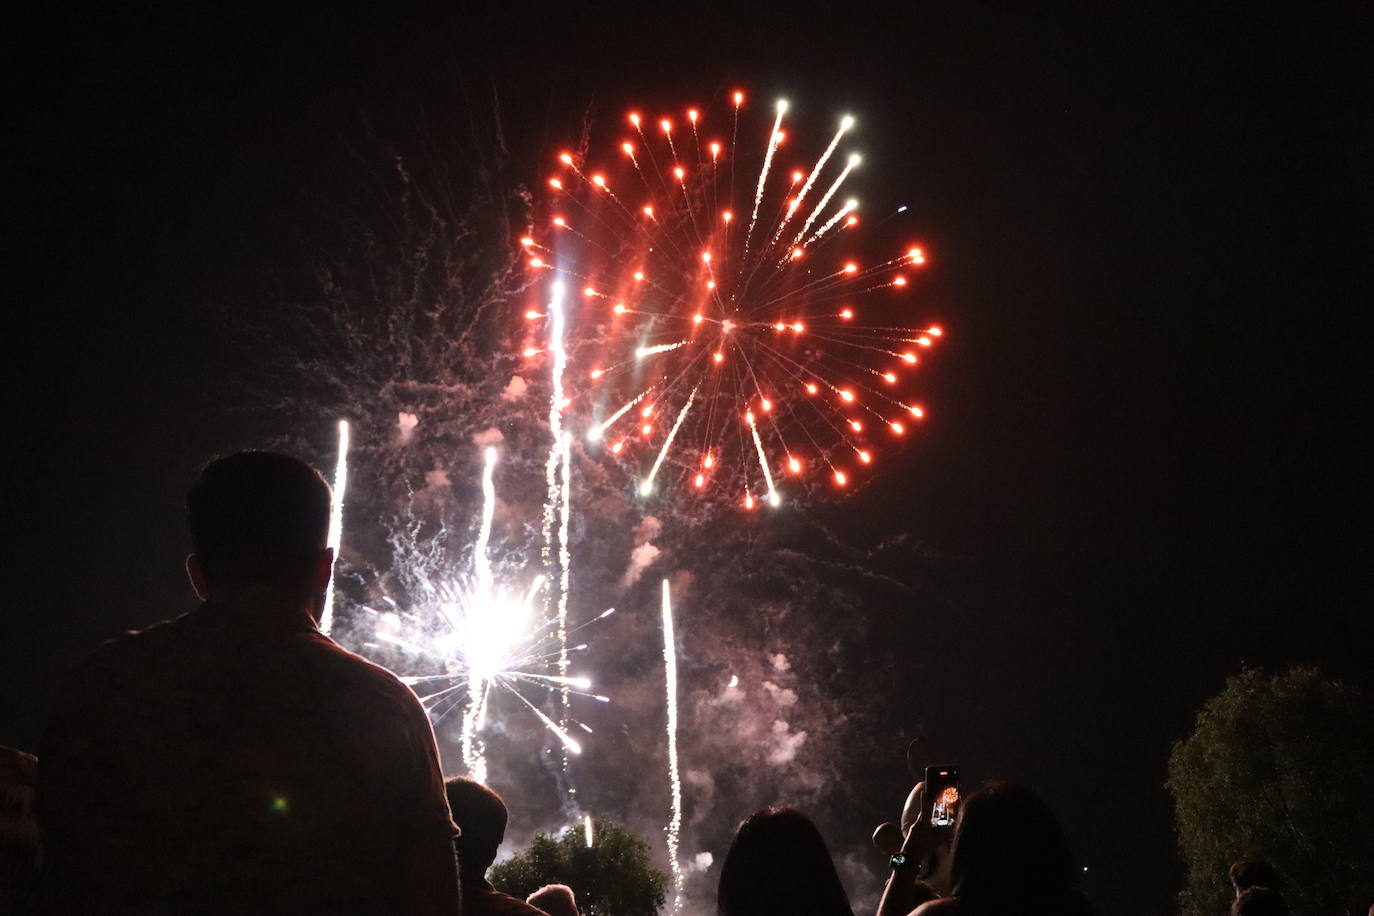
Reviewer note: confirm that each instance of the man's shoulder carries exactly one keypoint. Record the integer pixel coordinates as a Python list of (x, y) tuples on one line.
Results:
[(487, 901)]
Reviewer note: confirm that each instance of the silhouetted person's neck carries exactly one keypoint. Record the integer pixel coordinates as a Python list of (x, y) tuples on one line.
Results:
[(255, 602)]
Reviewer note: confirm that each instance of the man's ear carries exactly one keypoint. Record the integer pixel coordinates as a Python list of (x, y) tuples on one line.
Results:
[(197, 575)]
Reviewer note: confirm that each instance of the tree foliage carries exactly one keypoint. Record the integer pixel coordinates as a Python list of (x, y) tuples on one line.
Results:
[(1278, 767), (612, 876)]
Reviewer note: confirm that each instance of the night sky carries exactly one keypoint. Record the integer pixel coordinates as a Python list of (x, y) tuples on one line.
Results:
[(1143, 466)]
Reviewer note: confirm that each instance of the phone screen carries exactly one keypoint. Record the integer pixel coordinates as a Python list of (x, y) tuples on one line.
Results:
[(942, 795)]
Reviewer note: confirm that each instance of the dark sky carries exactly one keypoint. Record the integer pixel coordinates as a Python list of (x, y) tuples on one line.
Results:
[(1147, 226)]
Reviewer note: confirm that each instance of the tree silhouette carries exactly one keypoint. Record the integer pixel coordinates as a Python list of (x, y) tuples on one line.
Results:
[(612, 877), (1278, 768)]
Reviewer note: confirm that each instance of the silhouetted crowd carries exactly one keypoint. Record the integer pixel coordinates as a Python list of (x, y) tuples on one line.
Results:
[(236, 760)]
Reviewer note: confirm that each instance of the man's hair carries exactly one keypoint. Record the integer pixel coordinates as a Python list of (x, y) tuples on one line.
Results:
[(481, 816), (554, 899), (1248, 873), (1259, 901), (258, 517)]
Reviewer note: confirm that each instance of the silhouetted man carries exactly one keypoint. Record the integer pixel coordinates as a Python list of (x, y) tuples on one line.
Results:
[(481, 814), (235, 760)]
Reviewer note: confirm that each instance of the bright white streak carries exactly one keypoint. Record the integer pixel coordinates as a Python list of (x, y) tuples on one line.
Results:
[(835, 186), (587, 829), (565, 567), (763, 173), (763, 463), (568, 741), (674, 779), (600, 429), (336, 504), (647, 486), (479, 552), (482, 606), (845, 123), (849, 207), (658, 348)]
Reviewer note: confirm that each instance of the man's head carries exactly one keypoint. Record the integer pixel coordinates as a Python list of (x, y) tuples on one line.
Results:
[(554, 899), (259, 518), (481, 816), (1259, 901), (1249, 873)]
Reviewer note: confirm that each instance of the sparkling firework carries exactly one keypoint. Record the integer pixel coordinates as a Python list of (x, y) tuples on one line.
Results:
[(336, 523), (730, 350), (674, 828), (490, 637)]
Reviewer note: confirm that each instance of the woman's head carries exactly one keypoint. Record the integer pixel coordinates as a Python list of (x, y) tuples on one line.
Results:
[(1009, 845), (778, 863)]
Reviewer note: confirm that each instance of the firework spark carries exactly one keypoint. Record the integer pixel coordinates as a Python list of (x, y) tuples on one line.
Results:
[(746, 331), (674, 828), (336, 523)]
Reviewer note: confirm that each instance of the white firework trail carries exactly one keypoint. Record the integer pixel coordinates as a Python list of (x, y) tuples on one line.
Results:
[(674, 828), (336, 504), (474, 717), (599, 430), (848, 208), (659, 348), (647, 486), (773, 498), (587, 829), (763, 173), (564, 582), (849, 166), (845, 124)]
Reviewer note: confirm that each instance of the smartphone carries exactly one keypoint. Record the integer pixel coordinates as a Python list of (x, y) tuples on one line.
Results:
[(942, 795)]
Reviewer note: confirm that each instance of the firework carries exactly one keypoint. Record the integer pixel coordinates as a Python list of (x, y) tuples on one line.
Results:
[(489, 637), (336, 523), (719, 350), (674, 828)]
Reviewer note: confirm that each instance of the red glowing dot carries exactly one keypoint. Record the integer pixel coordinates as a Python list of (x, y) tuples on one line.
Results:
[(899, 281), (567, 158), (710, 284), (619, 309), (856, 426), (666, 125), (599, 181), (679, 173), (909, 357), (639, 275), (618, 446), (634, 119), (727, 216), (559, 222), (531, 351), (646, 428), (796, 253), (840, 478), (646, 411), (739, 98), (898, 428), (890, 377), (555, 183), (795, 465), (706, 256), (697, 319), (649, 212), (589, 291), (719, 357), (779, 326), (847, 314), (709, 461), (851, 268), (535, 262), (692, 115), (923, 341), (852, 221), (748, 500), (701, 480), (715, 150), (810, 388), (749, 417), (865, 457), (767, 405), (936, 332), (798, 327), (527, 241), (629, 150), (597, 373), (533, 314), (916, 411), (797, 176), (847, 395)]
